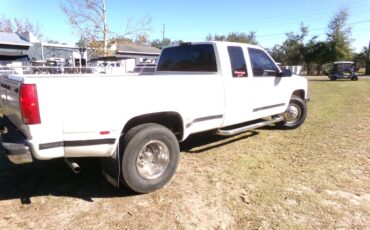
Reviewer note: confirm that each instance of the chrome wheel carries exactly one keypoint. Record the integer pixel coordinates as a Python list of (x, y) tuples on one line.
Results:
[(153, 159), (295, 114), (292, 114)]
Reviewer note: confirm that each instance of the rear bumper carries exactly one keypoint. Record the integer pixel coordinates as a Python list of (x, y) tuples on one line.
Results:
[(307, 99), (17, 153), (14, 143)]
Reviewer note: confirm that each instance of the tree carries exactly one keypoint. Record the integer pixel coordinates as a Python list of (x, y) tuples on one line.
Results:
[(18, 26), (6, 25), (293, 46), (156, 43), (277, 53), (249, 38), (163, 43), (216, 37), (89, 18), (317, 53), (363, 59), (138, 29), (339, 36)]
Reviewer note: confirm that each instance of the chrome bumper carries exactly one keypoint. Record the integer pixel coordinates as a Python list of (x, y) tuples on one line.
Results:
[(17, 153), (13, 143), (307, 99)]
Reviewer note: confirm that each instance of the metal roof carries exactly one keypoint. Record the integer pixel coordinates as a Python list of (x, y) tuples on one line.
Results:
[(12, 39), (137, 49), (343, 62)]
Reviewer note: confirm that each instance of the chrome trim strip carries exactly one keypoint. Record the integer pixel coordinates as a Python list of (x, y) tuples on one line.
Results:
[(204, 119), (268, 107)]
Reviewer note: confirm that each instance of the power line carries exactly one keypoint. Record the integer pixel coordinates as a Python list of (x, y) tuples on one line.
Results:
[(259, 26), (268, 36), (316, 29), (301, 15)]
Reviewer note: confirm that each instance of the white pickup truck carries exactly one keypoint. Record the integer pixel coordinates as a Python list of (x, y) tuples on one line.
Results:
[(135, 123)]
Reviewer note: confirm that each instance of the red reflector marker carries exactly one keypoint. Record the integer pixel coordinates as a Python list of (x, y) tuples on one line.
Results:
[(104, 132), (29, 104)]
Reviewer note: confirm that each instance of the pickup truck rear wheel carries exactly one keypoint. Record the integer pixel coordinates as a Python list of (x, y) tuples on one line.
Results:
[(150, 157), (295, 114)]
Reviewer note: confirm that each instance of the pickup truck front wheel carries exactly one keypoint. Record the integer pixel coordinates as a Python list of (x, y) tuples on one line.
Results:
[(295, 114), (150, 157)]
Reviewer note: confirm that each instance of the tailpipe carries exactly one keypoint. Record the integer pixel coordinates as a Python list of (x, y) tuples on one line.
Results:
[(73, 165)]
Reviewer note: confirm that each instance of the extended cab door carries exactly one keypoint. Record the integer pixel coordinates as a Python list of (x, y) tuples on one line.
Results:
[(238, 87), (269, 91), (253, 89)]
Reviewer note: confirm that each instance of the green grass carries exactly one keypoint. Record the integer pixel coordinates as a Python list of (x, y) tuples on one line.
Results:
[(288, 172)]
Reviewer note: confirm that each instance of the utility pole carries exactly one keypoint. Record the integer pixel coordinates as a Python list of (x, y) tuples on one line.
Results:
[(105, 27), (163, 31), (367, 71)]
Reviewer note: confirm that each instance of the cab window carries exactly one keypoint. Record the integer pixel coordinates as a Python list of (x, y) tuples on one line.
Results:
[(262, 64), (237, 61), (188, 58)]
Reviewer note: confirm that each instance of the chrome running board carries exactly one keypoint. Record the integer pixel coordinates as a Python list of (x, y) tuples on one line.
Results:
[(231, 132)]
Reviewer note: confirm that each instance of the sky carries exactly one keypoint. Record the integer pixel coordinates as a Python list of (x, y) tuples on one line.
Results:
[(192, 20)]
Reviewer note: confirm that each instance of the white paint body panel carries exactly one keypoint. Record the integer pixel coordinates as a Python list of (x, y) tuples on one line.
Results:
[(78, 108)]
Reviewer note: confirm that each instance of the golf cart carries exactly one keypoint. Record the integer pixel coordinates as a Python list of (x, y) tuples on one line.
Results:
[(343, 70)]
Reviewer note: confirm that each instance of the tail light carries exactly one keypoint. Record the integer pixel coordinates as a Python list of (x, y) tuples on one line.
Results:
[(29, 104)]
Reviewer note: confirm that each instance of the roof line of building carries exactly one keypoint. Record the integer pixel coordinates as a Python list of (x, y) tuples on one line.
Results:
[(16, 44), (135, 52)]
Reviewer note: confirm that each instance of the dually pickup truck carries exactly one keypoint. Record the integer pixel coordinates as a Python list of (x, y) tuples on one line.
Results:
[(135, 123)]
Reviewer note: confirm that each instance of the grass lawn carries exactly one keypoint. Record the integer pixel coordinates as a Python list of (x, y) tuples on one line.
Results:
[(313, 177), (317, 176)]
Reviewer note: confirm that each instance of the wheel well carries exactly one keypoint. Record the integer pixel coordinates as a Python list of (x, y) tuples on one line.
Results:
[(299, 93), (171, 120)]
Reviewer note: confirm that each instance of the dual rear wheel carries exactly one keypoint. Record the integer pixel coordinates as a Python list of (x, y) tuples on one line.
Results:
[(149, 158)]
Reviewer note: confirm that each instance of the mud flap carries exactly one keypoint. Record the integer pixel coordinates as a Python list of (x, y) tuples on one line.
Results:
[(111, 169)]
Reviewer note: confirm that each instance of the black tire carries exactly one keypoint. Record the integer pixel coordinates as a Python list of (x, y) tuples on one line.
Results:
[(136, 144), (354, 78), (333, 78), (299, 106)]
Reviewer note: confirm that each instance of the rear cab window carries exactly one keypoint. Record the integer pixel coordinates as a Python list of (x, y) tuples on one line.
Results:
[(237, 61), (262, 64), (188, 58)]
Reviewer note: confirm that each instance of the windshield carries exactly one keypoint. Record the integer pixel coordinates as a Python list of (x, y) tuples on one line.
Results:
[(104, 64)]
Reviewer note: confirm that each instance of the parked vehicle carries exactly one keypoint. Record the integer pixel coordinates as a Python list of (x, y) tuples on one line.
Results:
[(343, 70), (145, 68), (135, 124), (110, 68), (5, 70)]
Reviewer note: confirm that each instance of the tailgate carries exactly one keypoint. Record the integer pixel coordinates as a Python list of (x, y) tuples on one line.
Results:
[(9, 94)]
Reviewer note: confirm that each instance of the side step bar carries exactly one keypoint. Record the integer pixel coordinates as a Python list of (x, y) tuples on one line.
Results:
[(243, 129)]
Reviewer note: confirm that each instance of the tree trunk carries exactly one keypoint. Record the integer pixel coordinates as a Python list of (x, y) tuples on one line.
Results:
[(308, 69), (367, 67), (367, 72), (105, 32), (318, 69)]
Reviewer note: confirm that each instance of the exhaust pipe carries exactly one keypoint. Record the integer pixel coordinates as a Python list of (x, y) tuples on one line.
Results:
[(73, 165)]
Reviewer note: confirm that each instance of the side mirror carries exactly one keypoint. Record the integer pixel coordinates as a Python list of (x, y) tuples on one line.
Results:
[(284, 73)]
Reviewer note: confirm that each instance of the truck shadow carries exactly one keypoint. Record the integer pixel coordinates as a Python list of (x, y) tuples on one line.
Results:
[(54, 177), (199, 143), (43, 178)]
